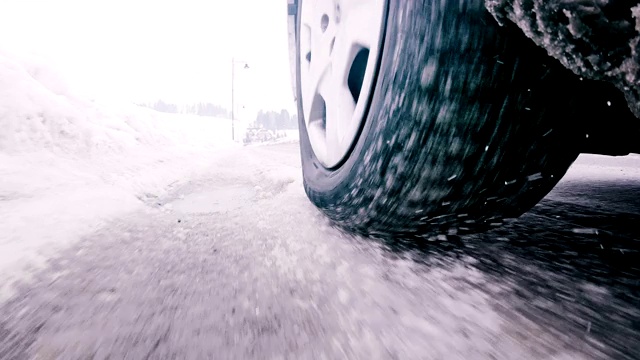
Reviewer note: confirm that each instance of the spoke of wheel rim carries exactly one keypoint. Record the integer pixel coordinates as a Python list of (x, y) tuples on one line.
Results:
[(309, 12), (332, 141), (342, 101), (320, 49), (316, 77), (362, 22), (339, 114)]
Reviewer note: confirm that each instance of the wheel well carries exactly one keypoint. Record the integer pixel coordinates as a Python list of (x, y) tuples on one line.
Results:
[(608, 125)]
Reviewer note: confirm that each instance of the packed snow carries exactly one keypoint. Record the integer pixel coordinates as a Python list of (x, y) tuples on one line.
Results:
[(573, 31), (68, 164)]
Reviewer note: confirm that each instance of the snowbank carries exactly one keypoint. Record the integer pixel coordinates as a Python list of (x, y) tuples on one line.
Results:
[(601, 168), (67, 164)]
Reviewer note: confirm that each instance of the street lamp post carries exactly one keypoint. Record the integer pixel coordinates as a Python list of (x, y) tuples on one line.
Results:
[(233, 104)]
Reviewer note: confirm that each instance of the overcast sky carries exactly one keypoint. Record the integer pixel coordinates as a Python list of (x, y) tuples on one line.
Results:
[(143, 50)]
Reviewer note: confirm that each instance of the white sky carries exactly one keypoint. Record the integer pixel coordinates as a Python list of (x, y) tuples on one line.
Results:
[(143, 50)]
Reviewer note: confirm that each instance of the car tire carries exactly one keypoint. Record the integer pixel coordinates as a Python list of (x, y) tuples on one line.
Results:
[(468, 123)]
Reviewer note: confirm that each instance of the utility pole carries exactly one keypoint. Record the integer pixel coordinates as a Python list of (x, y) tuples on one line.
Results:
[(233, 94), (233, 104)]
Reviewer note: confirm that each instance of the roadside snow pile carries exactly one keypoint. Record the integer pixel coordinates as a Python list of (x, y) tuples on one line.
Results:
[(601, 168), (39, 113), (67, 164)]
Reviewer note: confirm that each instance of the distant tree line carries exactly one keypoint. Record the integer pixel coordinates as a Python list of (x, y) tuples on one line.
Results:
[(162, 107), (201, 108), (273, 120)]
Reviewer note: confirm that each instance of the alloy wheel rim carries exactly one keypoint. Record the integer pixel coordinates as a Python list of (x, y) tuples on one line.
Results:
[(340, 46)]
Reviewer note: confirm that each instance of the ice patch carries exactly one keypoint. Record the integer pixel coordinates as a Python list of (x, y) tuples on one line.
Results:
[(215, 201)]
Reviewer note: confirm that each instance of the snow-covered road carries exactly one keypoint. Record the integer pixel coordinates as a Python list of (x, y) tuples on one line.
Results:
[(234, 262), (130, 234)]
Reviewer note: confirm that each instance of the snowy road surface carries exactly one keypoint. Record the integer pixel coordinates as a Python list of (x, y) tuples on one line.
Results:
[(236, 263)]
